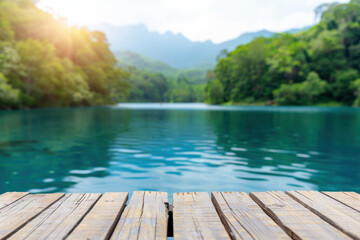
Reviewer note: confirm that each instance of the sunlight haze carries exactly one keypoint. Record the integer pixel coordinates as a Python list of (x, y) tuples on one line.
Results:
[(199, 20)]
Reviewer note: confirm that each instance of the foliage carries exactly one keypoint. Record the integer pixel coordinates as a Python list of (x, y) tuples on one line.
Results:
[(184, 90), (8, 95), (130, 59), (51, 64), (147, 87), (149, 79), (215, 92), (304, 93), (155, 87), (356, 87), (317, 65)]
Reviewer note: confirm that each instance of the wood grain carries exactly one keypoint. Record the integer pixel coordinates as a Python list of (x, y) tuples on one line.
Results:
[(298, 221), (16, 215), (100, 222), (10, 197), (351, 199), (337, 214), (146, 217), (244, 219), (58, 220), (195, 217)]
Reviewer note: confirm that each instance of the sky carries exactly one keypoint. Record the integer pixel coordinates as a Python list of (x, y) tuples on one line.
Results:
[(198, 20)]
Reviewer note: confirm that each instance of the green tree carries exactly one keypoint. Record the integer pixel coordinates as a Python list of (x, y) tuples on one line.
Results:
[(52, 64), (305, 93), (341, 87), (319, 64), (8, 96), (356, 87), (215, 92)]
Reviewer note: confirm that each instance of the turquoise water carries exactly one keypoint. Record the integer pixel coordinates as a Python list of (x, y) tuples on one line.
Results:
[(179, 147)]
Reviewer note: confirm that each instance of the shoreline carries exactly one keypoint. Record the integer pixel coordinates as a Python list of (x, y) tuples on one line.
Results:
[(227, 104)]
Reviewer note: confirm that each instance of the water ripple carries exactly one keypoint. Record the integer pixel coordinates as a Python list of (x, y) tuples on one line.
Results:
[(180, 148)]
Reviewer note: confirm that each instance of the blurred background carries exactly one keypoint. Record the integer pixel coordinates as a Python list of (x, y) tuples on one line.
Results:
[(179, 95)]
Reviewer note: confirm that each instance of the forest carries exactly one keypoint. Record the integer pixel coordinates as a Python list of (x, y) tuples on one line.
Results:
[(319, 66), (46, 63), (156, 87), (154, 81)]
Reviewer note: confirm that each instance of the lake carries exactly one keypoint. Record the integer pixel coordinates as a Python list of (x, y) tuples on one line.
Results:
[(179, 147)]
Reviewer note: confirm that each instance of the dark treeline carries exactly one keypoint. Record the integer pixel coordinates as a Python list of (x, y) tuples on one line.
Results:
[(155, 81), (317, 66), (156, 87), (43, 62)]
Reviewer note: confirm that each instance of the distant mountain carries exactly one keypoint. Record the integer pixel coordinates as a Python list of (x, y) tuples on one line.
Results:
[(243, 39), (142, 62), (128, 59), (172, 49), (296, 30)]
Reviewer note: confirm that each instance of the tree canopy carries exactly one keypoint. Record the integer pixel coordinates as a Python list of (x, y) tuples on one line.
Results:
[(315, 66), (43, 62)]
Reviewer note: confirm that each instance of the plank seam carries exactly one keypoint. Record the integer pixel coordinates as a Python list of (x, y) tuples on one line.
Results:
[(117, 219), (222, 216), (322, 216), (341, 201), (15, 201), (142, 212), (273, 216), (30, 219), (82, 218)]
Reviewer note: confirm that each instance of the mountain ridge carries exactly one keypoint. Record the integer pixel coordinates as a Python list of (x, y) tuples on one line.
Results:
[(172, 49)]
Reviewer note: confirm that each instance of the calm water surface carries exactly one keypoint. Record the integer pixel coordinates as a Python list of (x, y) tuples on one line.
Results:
[(179, 147)]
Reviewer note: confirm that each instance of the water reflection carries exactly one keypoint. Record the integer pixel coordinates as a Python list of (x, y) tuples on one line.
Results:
[(179, 148)]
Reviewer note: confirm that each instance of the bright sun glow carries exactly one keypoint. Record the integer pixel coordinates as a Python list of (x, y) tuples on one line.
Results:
[(201, 20), (76, 12)]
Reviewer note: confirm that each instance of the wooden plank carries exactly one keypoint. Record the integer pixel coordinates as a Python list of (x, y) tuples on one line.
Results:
[(16, 215), (337, 214), (244, 219), (58, 220), (351, 199), (10, 197), (100, 222), (195, 217), (298, 221), (146, 217)]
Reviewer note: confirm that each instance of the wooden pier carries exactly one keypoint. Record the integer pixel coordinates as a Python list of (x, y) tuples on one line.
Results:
[(148, 215)]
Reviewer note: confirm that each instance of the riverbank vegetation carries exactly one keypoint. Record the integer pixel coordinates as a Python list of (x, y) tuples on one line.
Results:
[(46, 63), (155, 81), (313, 67), (43, 62)]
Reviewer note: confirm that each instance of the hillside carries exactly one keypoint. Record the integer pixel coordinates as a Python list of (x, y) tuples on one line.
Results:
[(173, 49), (45, 63), (130, 59), (127, 59), (319, 66)]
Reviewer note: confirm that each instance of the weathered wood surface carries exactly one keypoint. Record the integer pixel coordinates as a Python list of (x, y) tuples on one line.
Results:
[(351, 199), (100, 222), (298, 221), (58, 220), (195, 217), (244, 219), (228, 215), (10, 197), (22, 211), (146, 217), (337, 214)]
